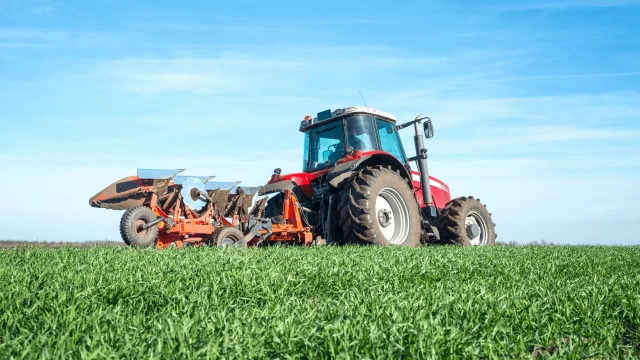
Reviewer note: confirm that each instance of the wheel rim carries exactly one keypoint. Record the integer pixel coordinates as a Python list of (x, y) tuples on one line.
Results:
[(392, 216), (476, 228)]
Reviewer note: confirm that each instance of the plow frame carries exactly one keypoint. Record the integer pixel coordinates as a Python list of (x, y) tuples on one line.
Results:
[(193, 228), (293, 228)]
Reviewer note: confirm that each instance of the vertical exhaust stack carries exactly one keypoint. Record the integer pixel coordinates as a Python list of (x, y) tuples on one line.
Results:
[(421, 157), (429, 210)]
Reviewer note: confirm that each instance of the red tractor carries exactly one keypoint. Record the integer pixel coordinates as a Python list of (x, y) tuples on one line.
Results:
[(357, 186)]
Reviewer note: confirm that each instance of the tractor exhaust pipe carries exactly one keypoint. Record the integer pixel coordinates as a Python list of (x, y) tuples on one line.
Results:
[(421, 155), (421, 158)]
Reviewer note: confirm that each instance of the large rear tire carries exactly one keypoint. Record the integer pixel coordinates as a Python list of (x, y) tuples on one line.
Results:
[(377, 206), (131, 227), (466, 221)]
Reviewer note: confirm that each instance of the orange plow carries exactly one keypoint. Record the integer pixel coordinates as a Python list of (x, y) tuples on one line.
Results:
[(163, 209)]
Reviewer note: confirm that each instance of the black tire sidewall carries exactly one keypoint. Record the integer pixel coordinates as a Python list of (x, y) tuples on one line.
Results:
[(129, 232)]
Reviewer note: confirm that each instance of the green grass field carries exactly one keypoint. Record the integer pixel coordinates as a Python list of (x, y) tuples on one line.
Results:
[(326, 302)]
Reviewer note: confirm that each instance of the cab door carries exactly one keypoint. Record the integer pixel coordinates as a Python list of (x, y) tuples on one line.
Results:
[(390, 141)]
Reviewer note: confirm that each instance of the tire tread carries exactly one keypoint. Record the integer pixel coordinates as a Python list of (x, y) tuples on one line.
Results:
[(453, 218)]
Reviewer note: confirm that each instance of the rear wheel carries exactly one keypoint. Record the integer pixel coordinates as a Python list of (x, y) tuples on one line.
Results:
[(131, 227), (377, 206), (466, 221)]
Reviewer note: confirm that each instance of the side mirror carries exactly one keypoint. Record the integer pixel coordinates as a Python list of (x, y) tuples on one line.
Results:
[(428, 129)]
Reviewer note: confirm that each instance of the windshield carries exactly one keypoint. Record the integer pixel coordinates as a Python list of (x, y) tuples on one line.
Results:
[(326, 143)]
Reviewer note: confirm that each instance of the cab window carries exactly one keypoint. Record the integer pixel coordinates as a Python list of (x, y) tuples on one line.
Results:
[(305, 158), (389, 140)]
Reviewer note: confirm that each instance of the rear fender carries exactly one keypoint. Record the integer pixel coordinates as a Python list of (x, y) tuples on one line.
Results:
[(344, 170), (281, 186)]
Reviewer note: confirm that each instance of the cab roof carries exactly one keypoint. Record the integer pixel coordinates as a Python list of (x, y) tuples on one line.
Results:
[(328, 115)]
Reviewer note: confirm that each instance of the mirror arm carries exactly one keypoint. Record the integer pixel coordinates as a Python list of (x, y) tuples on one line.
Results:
[(407, 124)]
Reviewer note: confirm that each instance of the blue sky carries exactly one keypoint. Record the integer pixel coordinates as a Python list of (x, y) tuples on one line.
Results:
[(535, 104)]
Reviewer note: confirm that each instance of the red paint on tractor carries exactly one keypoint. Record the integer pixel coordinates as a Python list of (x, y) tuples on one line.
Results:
[(439, 190), (302, 179)]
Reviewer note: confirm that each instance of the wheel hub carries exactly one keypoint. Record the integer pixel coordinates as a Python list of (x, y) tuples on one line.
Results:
[(392, 216), (473, 230), (384, 217), (476, 229), (138, 224)]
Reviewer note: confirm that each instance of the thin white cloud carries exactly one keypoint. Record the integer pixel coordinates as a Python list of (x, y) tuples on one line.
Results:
[(570, 76), (21, 45), (567, 141), (450, 111), (576, 133), (32, 33), (566, 4), (44, 9), (343, 21), (232, 71), (244, 68), (32, 36)]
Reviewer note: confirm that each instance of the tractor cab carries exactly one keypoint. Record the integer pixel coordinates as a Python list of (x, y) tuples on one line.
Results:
[(332, 135)]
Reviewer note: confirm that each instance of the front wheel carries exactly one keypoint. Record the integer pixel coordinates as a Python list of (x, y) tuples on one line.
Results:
[(466, 221), (377, 206)]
